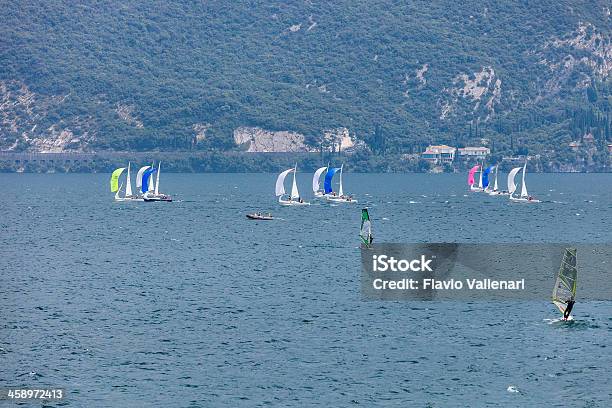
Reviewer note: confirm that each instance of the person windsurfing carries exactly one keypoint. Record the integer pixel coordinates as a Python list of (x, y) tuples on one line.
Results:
[(564, 291), (568, 308)]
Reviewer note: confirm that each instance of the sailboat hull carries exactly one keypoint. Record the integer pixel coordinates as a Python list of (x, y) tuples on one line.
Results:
[(340, 199), (524, 200), (150, 197), (291, 203)]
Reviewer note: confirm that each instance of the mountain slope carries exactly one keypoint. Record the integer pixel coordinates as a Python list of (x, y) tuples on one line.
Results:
[(126, 75)]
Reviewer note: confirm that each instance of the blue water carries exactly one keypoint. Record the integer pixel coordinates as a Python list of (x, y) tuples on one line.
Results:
[(189, 304)]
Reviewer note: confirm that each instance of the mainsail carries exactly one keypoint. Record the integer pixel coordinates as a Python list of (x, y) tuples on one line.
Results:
[(524, 193), (157, 179), (114, 180), (480, 177), (327, 185), (295, 194), (495, 184), (316, 177), (511, 176), (473, 171), (151, 183), (565, 286), (128, 183), (280, 186), (485, 176), (139, 176), (366, 228), (340, 190)]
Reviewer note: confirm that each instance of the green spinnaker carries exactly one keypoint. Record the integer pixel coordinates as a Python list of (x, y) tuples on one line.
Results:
[(114, 180)]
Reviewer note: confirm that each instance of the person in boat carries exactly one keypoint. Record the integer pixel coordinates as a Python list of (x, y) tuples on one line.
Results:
[(568, 309), (530, 198)]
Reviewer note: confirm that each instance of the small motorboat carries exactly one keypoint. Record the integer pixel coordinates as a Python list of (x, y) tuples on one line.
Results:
[(260, 216)]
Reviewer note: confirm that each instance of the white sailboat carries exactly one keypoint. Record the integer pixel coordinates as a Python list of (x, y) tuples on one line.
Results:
[(316, 179), (128, 196), (340, 197), (155, 195), (294, 199), (525, 197), (496, 190)]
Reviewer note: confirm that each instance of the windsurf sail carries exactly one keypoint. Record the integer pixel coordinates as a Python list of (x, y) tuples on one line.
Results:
[(511, 176), (327, 184), (524, 193), (280, 180), (139, 176), (316, 178), (146, 179), (473, 171), (485, 176), (565, 286), (128, 183), (366, 228), (114, 180)]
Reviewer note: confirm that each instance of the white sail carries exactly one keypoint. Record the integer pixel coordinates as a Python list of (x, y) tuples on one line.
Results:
[(128, 183), (511, 176), (495, 184), (316, 178), (295, 194), (139, 176), (151, 184), (480, 177), (524, 193), (157, 181), (340, 191), (280, 186)]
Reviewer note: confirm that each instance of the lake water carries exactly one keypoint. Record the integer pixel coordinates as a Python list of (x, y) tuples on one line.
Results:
[(190, 304)]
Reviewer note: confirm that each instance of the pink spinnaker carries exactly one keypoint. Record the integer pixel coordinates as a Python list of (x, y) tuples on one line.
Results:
[(473, 170)]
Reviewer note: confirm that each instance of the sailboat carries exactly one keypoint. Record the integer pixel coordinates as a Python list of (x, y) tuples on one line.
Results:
[(471, 180), (316, 180), (114, 182), (294, 198), (155, 195), (485, 179), (366, 229), (332, 196), (139, 176), (117, 188), (564, 292), (525, 197), (496, 190)]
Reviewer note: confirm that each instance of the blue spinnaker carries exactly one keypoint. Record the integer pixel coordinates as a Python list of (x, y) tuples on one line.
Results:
[(328, 179), (145, 179), (485, 176)]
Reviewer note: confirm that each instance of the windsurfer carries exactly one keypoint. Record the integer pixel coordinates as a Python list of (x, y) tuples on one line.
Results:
[(568, 309)]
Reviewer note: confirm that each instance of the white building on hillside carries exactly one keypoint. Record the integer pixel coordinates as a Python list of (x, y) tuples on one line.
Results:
[(439, 154), (475, 152)]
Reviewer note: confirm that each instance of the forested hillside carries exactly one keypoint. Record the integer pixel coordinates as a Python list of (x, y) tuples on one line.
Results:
[(158, 75)]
